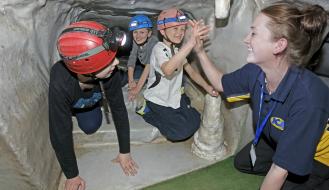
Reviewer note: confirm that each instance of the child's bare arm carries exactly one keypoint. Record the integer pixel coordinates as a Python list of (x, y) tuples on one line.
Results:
[(177, 60), (131, 82), (199, 31), (134, 91), (196, 77)]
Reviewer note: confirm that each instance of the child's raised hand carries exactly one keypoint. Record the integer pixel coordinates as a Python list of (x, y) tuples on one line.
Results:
[(200, 33)]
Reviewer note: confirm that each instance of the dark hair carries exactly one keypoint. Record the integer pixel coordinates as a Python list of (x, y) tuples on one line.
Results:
[(301, 24)]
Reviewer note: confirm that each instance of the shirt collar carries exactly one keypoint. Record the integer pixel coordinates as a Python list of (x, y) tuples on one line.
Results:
[(285, 85)]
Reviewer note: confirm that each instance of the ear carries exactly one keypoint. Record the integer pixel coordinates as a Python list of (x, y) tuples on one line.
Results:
[(280, 46), (162, 32), (149, 33)]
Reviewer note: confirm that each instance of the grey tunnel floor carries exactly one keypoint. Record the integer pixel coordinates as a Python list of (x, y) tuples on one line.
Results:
[(158, 161)]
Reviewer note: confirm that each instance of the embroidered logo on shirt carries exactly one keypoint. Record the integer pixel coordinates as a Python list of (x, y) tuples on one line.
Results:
[(277, 123), (166, 52)]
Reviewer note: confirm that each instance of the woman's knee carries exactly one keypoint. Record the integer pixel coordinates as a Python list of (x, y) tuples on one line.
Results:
[(242, 160)]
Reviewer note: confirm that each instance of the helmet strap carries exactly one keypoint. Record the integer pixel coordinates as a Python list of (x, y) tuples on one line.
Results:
[(165, 37), (172, 49), (86, 54), (98, 33), (106, 109)]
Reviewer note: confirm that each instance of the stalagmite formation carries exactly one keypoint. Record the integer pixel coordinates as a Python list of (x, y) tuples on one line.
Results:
[(209, 139)]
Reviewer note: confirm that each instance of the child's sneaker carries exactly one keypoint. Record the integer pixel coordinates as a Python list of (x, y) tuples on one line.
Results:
[(155, 133), (143, 109)]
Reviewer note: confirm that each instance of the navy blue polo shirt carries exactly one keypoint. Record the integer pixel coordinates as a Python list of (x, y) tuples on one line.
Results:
[(298, 119)]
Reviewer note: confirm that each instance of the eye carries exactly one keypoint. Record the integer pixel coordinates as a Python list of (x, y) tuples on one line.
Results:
[(253, 33)]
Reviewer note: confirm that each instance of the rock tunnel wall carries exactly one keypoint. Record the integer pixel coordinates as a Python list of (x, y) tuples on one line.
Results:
[(28, 33), (27, 49)]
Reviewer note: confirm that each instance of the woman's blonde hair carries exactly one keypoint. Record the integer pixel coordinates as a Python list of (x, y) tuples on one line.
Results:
[(302, 25)]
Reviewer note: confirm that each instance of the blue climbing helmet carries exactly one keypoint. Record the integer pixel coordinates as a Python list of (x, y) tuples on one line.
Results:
[(139, 21)]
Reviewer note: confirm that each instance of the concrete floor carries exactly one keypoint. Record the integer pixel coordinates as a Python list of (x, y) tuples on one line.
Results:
[(158, 160)]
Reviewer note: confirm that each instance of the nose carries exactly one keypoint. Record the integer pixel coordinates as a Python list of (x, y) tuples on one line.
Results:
[(115, 62), (180, 32), (246, 40)]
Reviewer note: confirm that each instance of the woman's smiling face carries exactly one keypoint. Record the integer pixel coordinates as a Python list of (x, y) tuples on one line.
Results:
[(259, 41)]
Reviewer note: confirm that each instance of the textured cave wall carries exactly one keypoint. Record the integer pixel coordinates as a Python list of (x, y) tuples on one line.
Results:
[(28, 32)]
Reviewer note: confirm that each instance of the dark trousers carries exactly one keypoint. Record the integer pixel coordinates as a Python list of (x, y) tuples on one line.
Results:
[(175, 124), (89, 120), (317, 180)]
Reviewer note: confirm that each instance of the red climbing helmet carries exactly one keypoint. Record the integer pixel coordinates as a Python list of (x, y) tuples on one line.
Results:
[(170, 18), (88, 46)]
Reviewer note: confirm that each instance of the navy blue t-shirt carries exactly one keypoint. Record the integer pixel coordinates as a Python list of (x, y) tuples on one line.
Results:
[(298, 119)]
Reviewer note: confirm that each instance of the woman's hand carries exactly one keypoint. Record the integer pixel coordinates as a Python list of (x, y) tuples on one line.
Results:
[(200, 33), (128, 165)]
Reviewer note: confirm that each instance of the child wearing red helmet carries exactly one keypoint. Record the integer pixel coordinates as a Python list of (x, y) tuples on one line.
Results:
[(167, 108), (79, 84)]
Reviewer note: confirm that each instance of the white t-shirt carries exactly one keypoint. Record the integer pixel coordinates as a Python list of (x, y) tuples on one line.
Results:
[(168, 92)]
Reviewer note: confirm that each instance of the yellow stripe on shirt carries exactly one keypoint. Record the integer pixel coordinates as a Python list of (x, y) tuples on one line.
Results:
[(322, 150), (238, 98)]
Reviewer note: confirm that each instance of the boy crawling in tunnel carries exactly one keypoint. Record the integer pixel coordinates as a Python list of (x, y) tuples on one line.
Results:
[(80, 84)]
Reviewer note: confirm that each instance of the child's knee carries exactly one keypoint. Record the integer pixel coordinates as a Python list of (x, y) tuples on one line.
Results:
[(90, 128), (183, 134)]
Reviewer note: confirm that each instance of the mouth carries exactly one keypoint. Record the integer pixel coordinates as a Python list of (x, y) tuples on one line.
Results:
[(111, 70), (178, 38)]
